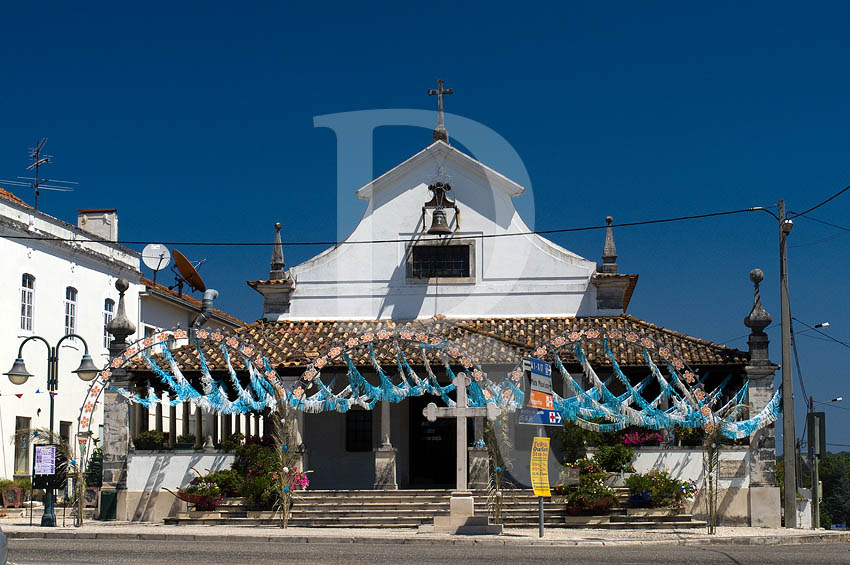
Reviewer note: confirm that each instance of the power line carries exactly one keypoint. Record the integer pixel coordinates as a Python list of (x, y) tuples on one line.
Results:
[(816, 206), (833, 405), (374, 241), (826, 335), (824, 222)]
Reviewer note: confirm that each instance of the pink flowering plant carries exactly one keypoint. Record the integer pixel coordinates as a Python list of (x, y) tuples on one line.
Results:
[(639, 438)]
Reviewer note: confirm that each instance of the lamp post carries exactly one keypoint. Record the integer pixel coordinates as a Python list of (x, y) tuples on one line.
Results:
[(18, 374)]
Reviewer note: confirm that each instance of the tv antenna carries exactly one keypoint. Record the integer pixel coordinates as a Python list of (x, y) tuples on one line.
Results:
[(186, 273), (156, 257), (39, 158)]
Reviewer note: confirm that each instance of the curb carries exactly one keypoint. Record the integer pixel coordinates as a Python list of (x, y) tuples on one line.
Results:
[(826, 537)]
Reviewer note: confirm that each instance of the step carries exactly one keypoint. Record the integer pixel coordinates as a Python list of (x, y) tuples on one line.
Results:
[(652, 518)]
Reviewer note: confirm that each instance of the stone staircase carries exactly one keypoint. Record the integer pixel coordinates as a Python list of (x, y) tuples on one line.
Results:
[(413, 508)]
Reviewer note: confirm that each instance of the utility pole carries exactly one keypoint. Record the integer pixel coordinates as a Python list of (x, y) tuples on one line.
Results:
[(814, 456), (788, 433)]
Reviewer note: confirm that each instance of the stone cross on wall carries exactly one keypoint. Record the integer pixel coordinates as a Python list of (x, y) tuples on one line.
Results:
[(461, 412)]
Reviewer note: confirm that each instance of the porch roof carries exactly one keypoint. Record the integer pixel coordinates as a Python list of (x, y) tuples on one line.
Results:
[(490, 341)]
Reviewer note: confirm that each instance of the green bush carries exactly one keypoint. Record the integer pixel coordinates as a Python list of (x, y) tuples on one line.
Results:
[(229, 482), (689, 436), (256, 462), (94, 469), (150, 439), (231, 443), (615, 458), (664, 490), (186, 438), (590, 489)]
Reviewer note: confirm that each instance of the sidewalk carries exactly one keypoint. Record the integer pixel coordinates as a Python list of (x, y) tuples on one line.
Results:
[(18, 529)]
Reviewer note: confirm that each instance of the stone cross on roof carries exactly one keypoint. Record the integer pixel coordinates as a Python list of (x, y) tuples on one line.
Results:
[(440, 132)]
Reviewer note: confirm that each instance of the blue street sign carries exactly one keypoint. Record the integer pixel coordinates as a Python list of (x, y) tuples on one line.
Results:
[(539, 417), (541, 378), (541, 368)]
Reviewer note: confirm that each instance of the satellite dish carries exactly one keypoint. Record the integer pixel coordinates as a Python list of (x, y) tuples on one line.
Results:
[(156, 257), (187, 272)]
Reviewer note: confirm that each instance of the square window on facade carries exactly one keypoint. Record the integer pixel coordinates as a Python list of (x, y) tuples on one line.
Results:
[(447, 261)]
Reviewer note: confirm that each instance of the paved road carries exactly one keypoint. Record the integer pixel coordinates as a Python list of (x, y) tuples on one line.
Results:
[(37, 551)]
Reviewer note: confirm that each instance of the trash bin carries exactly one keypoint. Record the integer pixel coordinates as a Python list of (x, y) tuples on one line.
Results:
[(108, 504)]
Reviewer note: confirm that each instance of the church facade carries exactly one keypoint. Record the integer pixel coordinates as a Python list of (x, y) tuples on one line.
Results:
[(442, 251)]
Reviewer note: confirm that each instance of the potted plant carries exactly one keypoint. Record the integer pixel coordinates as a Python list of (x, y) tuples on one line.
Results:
[(590, 494), (201, 492), (185, 441), (657, 489), (150, 439), (617, 461)]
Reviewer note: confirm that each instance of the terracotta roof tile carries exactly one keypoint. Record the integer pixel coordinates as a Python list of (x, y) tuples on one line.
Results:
[(489, 340), (9, 196)]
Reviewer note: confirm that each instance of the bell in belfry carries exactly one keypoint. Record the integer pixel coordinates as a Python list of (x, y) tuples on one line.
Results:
[(439, 224)]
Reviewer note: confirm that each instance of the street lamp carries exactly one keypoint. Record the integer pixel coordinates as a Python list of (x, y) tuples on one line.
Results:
[(18, 374)]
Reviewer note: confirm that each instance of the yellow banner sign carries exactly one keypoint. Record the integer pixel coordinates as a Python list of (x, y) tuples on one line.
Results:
[(540, 466)]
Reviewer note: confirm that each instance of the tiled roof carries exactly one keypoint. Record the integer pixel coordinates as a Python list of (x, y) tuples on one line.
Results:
[(9, 196), (188, 299), (489, 340)]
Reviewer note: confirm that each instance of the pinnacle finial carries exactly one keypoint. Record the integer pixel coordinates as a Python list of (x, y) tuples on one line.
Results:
[(278, 267), (758, 318), (609, 250), (120, 326)]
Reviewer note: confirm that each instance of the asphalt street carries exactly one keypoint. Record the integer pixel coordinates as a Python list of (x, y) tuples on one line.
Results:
[(37, 551)]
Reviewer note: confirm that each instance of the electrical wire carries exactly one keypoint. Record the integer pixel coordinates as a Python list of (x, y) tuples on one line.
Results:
[(816, 206), (824, 222), (832, 405), (338, 243), (826, 335)]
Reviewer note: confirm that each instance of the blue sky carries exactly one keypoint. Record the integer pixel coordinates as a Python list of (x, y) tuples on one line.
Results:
[(196, 122)]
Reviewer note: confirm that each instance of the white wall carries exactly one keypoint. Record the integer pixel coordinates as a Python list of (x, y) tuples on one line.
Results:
[(523, 275), (92, 269)]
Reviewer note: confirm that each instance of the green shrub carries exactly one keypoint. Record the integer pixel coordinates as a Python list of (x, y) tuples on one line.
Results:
[(664, 490), (186, 438), (150, 439), (94, 469), (590, 489), (256, 462), (615, 458), (231, 443), (229, 482), (689, 436)]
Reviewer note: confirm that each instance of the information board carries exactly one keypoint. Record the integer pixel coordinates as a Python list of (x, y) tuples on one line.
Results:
[(540, 466), (48, 467), (45, 460)]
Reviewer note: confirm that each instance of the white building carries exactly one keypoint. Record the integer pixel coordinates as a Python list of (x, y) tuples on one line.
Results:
[(58, 279), (512, 274)]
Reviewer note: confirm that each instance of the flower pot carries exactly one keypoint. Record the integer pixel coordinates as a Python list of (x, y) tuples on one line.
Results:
[(603, 503), (640, 500), (184, 446), (574, 510), (13, 497)]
